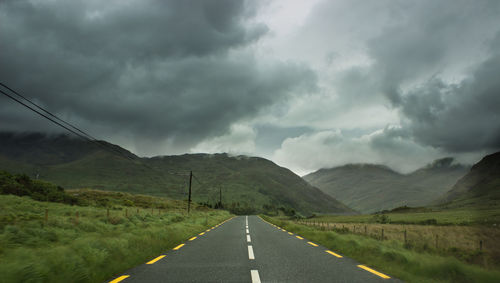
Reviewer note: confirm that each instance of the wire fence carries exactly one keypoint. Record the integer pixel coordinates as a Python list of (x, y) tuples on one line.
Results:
[(435, 237)]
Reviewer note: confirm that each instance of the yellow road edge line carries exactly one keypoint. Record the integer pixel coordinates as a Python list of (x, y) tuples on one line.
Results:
[(299, 237), (192, 238), (312, 244), (208, 230), (178, 247), (334, 254), (119, 279), (202, 233), (290, 233), (374, 271), (155, 260)]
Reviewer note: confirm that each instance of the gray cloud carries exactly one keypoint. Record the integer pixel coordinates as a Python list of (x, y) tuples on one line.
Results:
[(173, 70), (171, 76), (414, 60), (435, 63), (458, 117)]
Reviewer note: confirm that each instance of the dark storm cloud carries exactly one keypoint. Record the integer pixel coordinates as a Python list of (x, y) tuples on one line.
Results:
[(458, 117), (157, 69), (430, 39)]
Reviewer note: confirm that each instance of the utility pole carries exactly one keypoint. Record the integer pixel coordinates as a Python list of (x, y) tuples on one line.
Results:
[(220, 197), (189, 195)]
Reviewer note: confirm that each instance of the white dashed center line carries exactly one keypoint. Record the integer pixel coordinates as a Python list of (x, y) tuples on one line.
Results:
[(255, 276), (248, 238), (250, 253)]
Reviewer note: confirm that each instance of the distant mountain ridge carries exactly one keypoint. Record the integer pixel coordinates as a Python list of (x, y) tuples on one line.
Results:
[(371, 187), (249, 184), (481, 185)]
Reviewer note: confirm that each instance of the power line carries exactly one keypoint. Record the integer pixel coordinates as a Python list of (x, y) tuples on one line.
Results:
[(58, 121), (85, 136), (43, 115), (61, 123), (47, 112)]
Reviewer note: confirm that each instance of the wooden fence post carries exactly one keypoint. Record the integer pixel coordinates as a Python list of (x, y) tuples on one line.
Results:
[(382, 234), (405, 237), (436, 241), (365, 230), (480, 245)]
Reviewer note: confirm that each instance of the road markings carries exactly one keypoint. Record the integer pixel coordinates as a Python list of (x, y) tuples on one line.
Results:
[(299, 237), (283, 230), (247, 231), (248, 238), (155, 260), (290, 233), (202, 233), (255, 276), (374, 271), (312, 244), (178, 247), (250, 253), (119, 279), (208, 230), (192, 238), (334, 254)]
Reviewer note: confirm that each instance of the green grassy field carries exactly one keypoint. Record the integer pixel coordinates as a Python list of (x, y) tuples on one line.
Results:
[(394, 257), (84, 244), (459, 216)]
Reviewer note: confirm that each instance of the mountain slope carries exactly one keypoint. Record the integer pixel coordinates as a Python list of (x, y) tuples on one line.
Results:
[(369, 188), (480, 186), (248, 184)]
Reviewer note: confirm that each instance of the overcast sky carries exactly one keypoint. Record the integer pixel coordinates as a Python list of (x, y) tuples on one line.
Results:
[(307, 84)]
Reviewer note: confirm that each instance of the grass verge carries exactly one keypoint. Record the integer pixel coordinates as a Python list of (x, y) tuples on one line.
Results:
[(392, 258), (90, 247)]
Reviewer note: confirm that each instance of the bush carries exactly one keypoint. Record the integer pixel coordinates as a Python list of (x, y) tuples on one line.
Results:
[(381, 218), (22, 185)]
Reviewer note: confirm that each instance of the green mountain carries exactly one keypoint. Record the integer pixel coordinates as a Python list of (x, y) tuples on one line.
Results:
[(479, 187), (369, 188), (247, 184)]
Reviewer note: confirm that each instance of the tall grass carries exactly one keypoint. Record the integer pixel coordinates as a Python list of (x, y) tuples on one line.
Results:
[(393, 258), (485, 216), (91, 248), (427, 237)]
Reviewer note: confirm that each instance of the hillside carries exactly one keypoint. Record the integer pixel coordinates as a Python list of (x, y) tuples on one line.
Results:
[(369, 188), (248, 184), (480, 186)]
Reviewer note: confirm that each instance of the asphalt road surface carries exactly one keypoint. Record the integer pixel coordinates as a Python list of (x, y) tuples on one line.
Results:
[(248, 249)]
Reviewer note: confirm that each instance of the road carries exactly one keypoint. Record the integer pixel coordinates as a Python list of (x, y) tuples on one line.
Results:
[(248, 249)]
